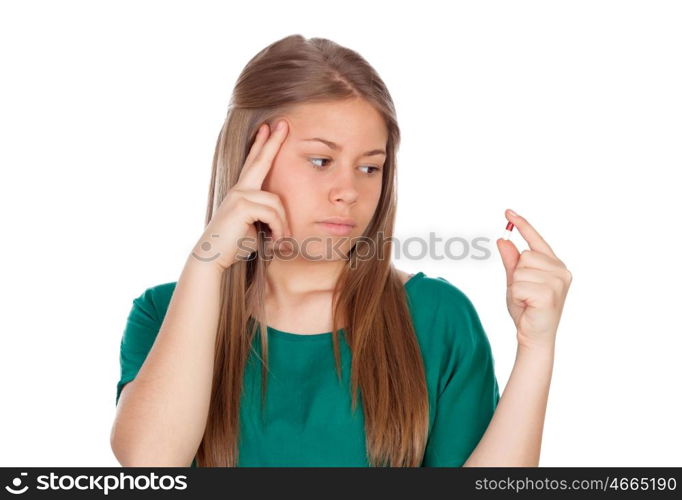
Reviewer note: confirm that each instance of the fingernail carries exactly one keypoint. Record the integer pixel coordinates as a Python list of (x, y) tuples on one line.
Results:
[(280, 125), (513, 213)]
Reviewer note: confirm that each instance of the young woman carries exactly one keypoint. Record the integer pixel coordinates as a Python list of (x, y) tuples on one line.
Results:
[(289, 338)]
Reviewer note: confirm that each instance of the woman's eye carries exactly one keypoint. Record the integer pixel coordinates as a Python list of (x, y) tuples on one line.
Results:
[(376, 169), (316, 159), (371, 172)]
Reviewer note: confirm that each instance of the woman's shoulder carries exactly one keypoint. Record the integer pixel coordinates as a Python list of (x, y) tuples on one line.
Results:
[(428, 288), (155, 299), (438, 305), (404, 276)]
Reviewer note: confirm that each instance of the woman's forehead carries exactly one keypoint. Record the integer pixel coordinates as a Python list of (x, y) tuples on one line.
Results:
[(337, 124)]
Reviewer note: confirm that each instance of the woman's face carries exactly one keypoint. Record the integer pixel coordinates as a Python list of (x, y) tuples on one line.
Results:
[(337, 178)]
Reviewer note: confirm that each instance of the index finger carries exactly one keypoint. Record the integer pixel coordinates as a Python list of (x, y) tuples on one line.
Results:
[(535, 241), (254, 171)]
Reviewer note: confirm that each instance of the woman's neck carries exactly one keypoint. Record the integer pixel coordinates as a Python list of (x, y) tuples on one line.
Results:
[(288, 281)]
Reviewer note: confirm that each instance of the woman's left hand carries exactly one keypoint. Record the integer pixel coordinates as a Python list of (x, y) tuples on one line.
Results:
[(537, 284)]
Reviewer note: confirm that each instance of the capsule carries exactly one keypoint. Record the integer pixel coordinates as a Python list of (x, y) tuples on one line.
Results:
[(508, 230)]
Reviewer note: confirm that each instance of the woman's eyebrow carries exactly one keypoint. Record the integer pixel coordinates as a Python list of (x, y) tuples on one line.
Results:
[(335, 146)]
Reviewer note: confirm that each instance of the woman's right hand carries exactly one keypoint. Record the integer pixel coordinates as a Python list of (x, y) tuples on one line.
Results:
[(244, 204)]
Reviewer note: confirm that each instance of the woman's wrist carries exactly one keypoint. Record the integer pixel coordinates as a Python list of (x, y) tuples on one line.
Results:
[(543, 350), (202, 265), (204, 259), (539, 358)]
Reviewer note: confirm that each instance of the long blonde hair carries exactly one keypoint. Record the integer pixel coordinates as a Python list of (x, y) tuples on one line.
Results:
[(369, 298)]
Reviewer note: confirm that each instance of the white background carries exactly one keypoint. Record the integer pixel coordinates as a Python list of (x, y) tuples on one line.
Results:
[(569, 113)]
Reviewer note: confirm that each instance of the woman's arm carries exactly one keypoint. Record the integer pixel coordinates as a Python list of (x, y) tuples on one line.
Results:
[(514, 435), (537, 285), (161, 414)]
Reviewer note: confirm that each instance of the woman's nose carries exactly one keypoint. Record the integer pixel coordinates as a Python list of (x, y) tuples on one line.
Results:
[(343, 186)]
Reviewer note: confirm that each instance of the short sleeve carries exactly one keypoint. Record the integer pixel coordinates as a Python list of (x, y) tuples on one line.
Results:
[(468, 393), (139, 334)]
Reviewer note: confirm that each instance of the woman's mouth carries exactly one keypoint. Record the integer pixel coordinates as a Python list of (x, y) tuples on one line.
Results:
[(336, 229)]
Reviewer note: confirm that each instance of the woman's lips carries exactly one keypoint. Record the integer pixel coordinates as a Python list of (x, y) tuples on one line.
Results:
[(336, 229)]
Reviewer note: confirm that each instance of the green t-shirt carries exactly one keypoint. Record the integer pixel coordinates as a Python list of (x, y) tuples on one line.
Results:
[(308, 420)]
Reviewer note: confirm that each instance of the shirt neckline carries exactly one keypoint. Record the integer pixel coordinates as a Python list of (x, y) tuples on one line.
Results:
[(310, 337)]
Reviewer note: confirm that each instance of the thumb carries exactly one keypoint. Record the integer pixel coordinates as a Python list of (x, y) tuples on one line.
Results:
[(510, 257)]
